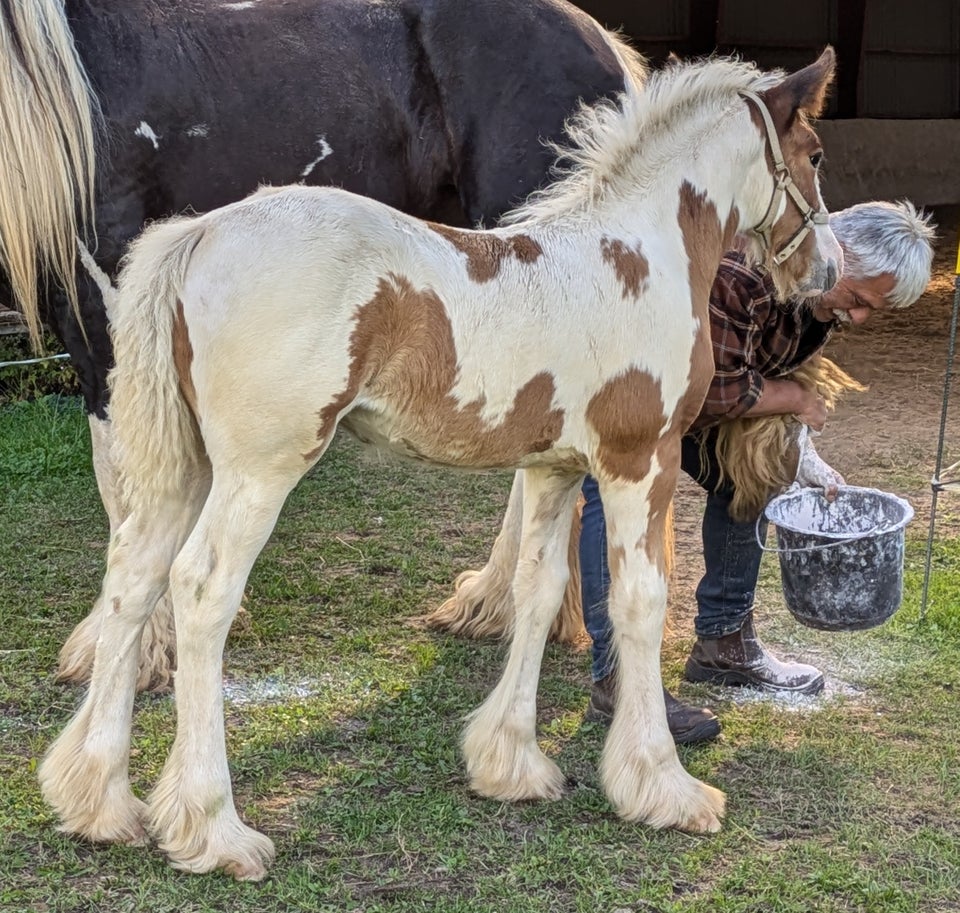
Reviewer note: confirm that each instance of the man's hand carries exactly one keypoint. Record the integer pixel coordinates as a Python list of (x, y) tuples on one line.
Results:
[(813, 472), (782, 396), (813, 413)]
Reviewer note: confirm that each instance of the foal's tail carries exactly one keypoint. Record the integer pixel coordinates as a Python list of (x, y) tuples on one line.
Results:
[(157, 443)]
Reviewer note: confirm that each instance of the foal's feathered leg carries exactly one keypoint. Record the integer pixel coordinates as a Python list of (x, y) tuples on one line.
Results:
[(500, 747), (191, 811), (84, 775), (482, 602), (640, 770), (158, 641)]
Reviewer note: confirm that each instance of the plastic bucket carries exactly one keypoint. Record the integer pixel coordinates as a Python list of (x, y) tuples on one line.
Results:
[(841, 561)]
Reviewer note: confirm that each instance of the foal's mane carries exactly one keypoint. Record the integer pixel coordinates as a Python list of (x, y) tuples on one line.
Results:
[(624, 143)]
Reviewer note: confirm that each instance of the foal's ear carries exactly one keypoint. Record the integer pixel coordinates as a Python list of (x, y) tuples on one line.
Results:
[(806, 90)]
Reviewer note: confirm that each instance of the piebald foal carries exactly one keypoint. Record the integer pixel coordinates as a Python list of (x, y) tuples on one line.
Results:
[(244, 337)]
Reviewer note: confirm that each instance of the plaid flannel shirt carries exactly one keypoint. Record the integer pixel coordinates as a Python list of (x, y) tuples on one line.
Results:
[(754, 336)]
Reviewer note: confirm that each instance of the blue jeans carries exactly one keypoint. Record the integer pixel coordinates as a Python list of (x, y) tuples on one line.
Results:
[(731, 557)]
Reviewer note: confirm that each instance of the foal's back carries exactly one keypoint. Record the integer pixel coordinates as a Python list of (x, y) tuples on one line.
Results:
[(464, 348)]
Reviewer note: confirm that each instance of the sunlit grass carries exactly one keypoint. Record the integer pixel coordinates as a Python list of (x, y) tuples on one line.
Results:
[(344, 723)]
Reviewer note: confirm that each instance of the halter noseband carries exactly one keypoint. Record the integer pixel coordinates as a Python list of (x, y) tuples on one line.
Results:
[(783, 184)]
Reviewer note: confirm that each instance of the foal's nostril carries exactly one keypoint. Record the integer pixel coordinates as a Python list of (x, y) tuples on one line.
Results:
[(831, 275)]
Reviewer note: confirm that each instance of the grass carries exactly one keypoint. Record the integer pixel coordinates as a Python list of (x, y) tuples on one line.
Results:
[(344, 719)]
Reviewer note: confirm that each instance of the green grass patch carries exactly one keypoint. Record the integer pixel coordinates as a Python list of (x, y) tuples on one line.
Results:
[(344, 721)]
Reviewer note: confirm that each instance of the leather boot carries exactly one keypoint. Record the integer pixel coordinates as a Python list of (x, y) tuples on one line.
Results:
[(741, 659), (687, 724)]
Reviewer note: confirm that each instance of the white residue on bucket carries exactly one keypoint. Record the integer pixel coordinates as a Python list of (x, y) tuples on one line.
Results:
[(856, 511), (841, 562)]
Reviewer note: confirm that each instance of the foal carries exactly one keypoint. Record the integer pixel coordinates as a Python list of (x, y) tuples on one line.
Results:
[(244, 337)]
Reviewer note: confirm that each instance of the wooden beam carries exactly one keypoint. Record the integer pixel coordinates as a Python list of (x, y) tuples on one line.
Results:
[(704, 24), (851, 22)]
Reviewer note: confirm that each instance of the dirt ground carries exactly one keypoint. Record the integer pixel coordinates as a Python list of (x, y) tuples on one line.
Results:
[(885, 438)]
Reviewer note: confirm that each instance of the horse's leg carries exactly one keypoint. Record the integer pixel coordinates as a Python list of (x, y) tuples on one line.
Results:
[(482, 601), (640, 770), (568, 626), (500, 747), (157, 643), (75, 662), (90, 352), (84, 776), (191, 811)]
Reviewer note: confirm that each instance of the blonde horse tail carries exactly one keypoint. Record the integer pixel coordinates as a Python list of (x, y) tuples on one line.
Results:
[(157, 444), (48, 118), (759, 456)]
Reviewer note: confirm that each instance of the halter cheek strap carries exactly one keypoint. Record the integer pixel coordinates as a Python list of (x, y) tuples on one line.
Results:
[(782, 184)]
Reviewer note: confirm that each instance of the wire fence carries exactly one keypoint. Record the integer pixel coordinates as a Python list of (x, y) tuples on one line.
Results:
[(11, 325), (33, 361)]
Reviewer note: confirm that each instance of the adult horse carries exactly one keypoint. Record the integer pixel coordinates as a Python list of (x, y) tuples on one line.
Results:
[(416, 337), (117, 112)]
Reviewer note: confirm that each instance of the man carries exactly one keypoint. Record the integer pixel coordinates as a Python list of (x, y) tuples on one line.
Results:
[(756, 340)]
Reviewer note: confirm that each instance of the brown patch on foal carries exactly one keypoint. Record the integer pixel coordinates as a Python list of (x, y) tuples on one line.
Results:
[(626, 446), (486, 252), (658, 542), (628, 263), (402, 354), (627, 414), (705, 241), (183, 358)]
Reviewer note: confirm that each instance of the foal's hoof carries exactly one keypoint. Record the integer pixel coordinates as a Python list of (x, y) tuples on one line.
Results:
[(660, 794), (223, 844), (248, 869), (527, 775), (706, 816), (111, 823)]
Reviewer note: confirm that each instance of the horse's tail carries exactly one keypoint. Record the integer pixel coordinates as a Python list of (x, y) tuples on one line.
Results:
[(48, 112), (157, 443), (759, 456)]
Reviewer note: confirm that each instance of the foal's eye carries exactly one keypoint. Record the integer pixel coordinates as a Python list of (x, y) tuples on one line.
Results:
[(816, 158)]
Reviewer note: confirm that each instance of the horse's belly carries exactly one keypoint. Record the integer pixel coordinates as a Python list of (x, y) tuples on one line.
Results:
[(471, 445)]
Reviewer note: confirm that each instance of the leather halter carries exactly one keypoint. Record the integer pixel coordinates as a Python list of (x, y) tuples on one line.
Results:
[(783, 184)]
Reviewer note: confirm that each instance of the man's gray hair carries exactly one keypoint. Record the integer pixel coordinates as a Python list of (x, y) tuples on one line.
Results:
[(885, 237)]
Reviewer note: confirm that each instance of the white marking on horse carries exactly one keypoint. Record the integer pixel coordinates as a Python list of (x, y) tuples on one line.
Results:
[(243, 5), (198, 130), (325, 150), (146, 131), (103, 281)]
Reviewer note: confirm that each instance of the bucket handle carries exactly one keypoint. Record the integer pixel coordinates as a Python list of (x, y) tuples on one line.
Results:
[(811, 548)]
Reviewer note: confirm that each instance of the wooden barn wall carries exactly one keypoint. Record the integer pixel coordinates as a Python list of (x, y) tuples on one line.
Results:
[(892, 127)]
